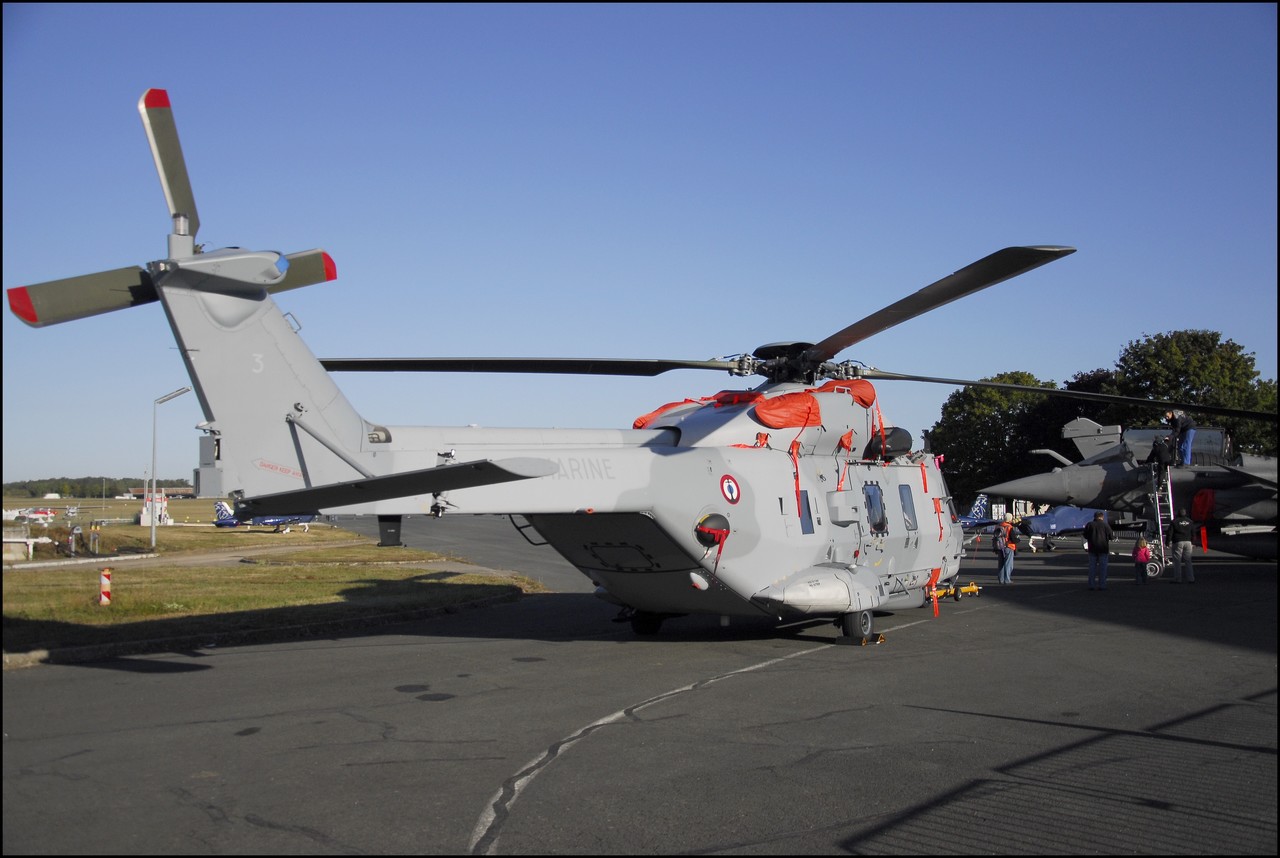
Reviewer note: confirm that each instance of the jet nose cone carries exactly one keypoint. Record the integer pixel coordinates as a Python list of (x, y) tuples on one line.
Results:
[(1042, 488)]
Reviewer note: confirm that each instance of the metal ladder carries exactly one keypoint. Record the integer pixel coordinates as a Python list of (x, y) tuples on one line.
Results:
[(1161, 500)]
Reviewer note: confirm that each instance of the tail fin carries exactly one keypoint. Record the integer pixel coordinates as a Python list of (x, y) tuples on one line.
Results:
[(222, 511), (288, 441), (281, 422), (979, 508), (1090, 438)]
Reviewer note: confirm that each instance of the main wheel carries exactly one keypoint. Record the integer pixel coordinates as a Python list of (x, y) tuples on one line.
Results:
[(856, 625), (1154, 569), (645, 623)]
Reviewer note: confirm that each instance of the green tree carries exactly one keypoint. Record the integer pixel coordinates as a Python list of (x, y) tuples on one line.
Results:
[(1195, 367), (985, 435)]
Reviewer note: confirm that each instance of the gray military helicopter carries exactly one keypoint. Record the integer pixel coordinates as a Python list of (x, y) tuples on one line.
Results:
[(789, 500)]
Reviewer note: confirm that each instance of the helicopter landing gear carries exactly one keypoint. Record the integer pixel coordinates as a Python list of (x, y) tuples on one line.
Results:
[(642, 622), (645, 623), (856, 625)]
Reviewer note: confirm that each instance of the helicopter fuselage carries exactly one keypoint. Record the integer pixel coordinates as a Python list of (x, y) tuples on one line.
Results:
[(809, 522)]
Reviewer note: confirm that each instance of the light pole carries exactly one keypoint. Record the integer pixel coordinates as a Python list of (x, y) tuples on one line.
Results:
[(154, 408)]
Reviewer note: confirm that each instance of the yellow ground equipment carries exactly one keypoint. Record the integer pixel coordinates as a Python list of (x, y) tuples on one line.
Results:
[(955, 591)]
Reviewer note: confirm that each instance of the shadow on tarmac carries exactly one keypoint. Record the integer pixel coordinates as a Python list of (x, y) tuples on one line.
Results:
[(1226, 591)]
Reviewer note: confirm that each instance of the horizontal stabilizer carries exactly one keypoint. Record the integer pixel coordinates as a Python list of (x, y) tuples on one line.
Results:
[(59, 301), (426, 481)]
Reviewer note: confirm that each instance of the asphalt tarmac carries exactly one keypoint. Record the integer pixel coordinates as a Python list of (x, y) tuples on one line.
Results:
[(1038, 718)]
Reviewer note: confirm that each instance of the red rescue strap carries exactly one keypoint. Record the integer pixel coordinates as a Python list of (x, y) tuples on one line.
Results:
[(762, 440), (933, 587), (846, 444), (877, 426), (719, 535), (795, 451), (795, 466)]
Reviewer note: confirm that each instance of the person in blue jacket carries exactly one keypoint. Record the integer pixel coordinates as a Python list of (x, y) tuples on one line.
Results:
[(1184, 432)]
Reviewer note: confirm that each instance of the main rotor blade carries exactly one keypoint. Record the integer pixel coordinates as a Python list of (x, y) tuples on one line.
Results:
[(162, 133), (562, 366), (1160, 404), (988, 271)]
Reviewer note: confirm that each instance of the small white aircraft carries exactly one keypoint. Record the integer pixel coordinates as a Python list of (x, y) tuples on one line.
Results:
[(36, 515)]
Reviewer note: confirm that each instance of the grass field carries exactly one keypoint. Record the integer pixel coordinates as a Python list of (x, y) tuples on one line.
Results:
[(295, 584)]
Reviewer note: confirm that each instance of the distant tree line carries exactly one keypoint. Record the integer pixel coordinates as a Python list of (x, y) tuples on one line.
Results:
[(84, 487)]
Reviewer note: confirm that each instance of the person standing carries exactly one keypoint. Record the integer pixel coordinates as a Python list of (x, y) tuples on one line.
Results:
[(1141, 555), (1182, 535), (1006, 544), (1184, 432), (1097, 537)]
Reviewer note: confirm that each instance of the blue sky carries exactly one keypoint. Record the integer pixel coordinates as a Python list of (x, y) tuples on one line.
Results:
[(634, 181)]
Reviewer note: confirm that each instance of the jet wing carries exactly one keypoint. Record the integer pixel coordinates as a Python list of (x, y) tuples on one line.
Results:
[(1262, 472), (444, 478)]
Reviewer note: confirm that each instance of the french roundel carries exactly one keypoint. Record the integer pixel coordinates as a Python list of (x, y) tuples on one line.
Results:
[(729, 488)]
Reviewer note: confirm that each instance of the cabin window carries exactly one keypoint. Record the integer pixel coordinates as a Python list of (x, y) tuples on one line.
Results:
[(908, 507), (877, 519)]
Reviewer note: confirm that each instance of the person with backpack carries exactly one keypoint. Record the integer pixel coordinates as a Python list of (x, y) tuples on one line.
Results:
[(1005, 542)]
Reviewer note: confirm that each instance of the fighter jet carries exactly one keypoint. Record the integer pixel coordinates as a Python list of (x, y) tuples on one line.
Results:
[(1232, 494)]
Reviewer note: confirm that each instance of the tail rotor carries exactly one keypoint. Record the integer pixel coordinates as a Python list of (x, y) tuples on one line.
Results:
[(162, 134)]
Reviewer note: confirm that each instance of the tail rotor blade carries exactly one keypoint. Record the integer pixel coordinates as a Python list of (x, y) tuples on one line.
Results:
[(306, 269), (80, 297), (59, 301), (162, 133)]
